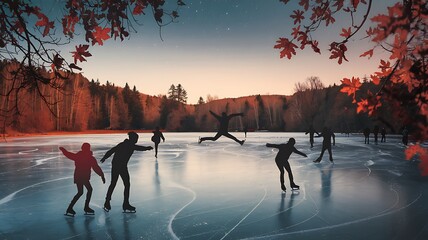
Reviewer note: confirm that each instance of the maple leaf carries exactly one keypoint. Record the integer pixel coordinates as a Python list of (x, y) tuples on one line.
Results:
[(418, 150), (346, 32), (298, 16), (338, 4), (338, 51), (368, 53), (314, 45), (296, 32), (304, 4), (44, 22), (288, 48), (100, 35), (138, 9), (80, 53), (350, 86), (355, 3), (375, 79), (57, 62)]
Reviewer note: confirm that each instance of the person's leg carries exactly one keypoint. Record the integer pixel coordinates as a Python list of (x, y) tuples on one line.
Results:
[(88, 197), (281, 174), (290, 174), (75, 198), (127, 183), (330, 153), (156, 149), (114, 178), (228, 135), (210, 138)]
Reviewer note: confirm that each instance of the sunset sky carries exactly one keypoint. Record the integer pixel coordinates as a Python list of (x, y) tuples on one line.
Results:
[(223, 48)]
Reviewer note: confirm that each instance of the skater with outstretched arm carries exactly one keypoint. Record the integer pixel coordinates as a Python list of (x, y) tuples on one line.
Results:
[(224, 127), (327, 134), (281, 160), (156, 138), (84, 161), (119, 167)]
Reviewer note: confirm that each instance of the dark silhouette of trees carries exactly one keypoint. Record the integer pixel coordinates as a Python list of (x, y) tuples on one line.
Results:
[(177, 93)]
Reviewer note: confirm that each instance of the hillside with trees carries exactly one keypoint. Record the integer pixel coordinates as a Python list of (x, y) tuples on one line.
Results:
[(79, 104)]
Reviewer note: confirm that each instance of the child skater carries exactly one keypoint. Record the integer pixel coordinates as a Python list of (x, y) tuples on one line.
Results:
[(157, 135), (281, 160), (84, 162)]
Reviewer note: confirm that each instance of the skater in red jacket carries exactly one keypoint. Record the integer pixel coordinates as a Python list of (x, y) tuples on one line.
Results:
[(281, 160), (84, 162)]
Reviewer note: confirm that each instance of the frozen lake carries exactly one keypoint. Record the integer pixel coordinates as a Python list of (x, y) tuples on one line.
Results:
[(215, 190)]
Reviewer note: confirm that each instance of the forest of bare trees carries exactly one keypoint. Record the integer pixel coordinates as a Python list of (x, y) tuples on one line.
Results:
[(81, 104)]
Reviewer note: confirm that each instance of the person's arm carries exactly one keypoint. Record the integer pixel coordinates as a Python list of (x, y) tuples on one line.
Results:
[(108, 154), (300, 153), (215, 115), (142, 148), (235, 115), (98, 170), (272, 145), (334, 138), (163, 138), (69, 155)]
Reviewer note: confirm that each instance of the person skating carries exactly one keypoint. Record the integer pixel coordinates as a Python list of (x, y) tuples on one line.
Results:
[(84, 161), (311, 132), (156, 138), (224, 127), (119, 167), (281, 160), (327, 134)]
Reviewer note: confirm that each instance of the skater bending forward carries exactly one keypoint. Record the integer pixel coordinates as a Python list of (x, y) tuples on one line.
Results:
[(119, 167), (281, 160), (84, 162)]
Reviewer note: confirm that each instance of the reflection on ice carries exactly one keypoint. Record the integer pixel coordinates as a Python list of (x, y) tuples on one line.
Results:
[(216, 190)]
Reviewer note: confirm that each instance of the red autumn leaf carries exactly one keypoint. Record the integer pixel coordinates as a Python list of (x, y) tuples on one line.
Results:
[(314, 45), (298, 16), (338, 51), (350, 86), (288, 48), (418, 150), (57, 62), (18, 26), (368, 53), (304, 4), (355, 3), (75, 66), (296, 32), (138, 9), (346, 32), (80, 53), (44, 22), (375, 79), (338, 4), (100, 35)]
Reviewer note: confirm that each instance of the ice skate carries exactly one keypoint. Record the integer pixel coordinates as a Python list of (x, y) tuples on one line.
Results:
[(127, 208), (283, 188), (70, 212), (242, 142), (89, 211), (331, 160), (200, 140), (295, 187), (317, 161), (107, 206)]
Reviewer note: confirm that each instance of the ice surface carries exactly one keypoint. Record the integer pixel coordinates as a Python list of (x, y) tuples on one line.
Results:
[(216, 190)]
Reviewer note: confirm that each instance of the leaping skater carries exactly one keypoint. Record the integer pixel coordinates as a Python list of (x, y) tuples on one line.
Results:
[(84, 162), (224, 127), (281, 160), (119, 167)]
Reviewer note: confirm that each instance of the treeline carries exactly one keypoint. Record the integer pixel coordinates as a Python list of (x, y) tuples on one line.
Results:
[(80, 104)]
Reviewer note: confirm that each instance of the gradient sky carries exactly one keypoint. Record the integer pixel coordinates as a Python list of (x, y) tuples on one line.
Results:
[(223, 48)]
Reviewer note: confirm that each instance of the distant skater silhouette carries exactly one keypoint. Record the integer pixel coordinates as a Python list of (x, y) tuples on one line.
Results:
[(366, 133), (376, 133), (156, 138), (84, 161), (405, 138), (383, 134), (281, 160), (224, 127), (311, 132), (119, 167), (245, 131), (327, 134)]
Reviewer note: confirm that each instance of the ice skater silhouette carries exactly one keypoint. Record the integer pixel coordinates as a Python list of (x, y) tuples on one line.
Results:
[(119, 167), (311, 132), (224, 127), (327, 134), (366, 133), (383, 134), (281, 160), (376, 133), (156, 138), (84, 161)]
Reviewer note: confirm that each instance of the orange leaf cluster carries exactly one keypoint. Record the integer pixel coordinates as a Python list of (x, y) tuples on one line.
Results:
[(418, 150)]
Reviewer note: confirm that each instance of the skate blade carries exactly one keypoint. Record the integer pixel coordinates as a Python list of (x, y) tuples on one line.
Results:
[(105, 209), (295, 189), (89, 214), (129, 211), (69, 214)]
